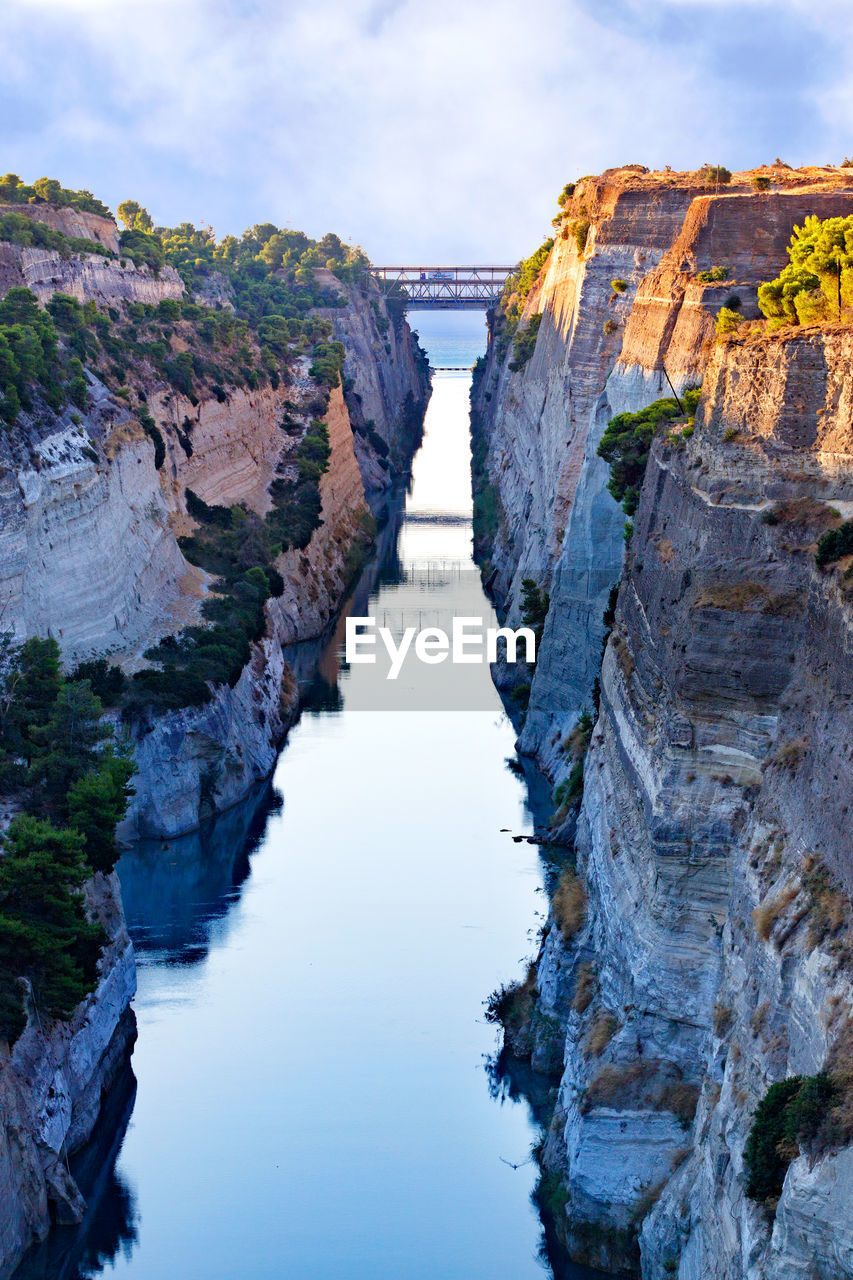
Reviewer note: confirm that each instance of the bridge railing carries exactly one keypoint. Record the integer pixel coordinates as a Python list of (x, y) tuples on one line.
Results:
[(444, 287)]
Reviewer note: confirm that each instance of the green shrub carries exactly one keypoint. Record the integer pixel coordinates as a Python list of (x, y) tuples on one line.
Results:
[(713, 274), (716, 173), (144, 250), (16, 228), (14, 191), (535, 603), (51, 737), (106, 682), (570, 789), (760, 182), (728, 321), (579, 228), (626, 443), (524, 343), (519, 285), (619, 286), (817, 284), (154, 434), (96, 803), (789, 1113), (834, 544)]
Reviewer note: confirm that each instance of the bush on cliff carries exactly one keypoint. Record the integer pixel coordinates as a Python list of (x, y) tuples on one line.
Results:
[(33, 369), (834, 544), (716, 173), (627, 440), (728, 321), (519, 285), (790, 1113), (535, 603), (817, 284), (524, 343)]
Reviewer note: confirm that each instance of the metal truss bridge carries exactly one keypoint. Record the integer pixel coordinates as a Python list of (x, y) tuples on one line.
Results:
[(443, 288)]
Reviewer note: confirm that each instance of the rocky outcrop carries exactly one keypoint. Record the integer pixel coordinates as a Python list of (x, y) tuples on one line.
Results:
[(51, 1086), (713, 838)]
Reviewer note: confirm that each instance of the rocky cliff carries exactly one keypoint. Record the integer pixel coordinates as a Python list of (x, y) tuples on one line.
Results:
[(51, 1086), (93, 502), (703, 954), (91, 518), (603, 350)]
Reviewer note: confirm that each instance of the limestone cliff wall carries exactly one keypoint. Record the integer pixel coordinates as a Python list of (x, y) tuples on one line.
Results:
[(51, 1087), (600, 352), (713, 840), (89, 553), (199, 760)]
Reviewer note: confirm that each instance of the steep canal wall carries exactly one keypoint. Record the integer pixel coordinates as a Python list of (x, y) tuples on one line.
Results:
[(697, 950)]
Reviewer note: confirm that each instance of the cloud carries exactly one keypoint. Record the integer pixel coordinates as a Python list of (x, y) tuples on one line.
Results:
[(423, 130)]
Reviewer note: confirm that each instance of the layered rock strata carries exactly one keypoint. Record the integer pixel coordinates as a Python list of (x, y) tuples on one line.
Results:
[(713, 838)]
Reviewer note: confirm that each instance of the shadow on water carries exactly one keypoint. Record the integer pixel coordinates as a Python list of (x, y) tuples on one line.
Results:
[(175, 890), (511, 1080)]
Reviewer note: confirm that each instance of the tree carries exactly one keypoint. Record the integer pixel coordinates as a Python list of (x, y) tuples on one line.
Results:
[(45, 936), (67, 745), (97, 801), (817, 284), (35, 684), (49, 189), (134, 217)]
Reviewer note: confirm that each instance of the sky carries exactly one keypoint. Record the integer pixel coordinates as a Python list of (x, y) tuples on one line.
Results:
[(425, 130)]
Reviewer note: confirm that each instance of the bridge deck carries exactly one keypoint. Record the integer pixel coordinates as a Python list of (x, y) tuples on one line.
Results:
[(443, 288)]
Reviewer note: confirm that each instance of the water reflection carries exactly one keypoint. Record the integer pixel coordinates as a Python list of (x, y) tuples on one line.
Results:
[(111, 1224), (174, 891), (311, 1096)]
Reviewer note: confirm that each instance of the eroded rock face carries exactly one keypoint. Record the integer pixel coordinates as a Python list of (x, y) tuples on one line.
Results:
[(715, 811), (601, 352), (89, 553), (51, 1087)]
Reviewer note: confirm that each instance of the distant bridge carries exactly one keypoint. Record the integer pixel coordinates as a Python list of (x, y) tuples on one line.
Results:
[(443, 288)]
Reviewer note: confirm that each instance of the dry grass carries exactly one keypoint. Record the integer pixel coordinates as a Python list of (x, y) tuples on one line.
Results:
[(600, 1034), (642, 1086), (759, 1016), (735, 596), (829, 907), (569, 904), (624, 656), (791, 754), (838, 1127), (663, 547), (575, 743), (804, 513), (647, 1201), (767, 913), (722, 1019), (586, 985)]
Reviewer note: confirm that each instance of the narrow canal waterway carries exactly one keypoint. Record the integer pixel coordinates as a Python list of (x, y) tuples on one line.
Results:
[(315, 1097)]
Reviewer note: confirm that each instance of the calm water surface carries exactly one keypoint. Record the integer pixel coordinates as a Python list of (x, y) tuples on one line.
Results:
[(315, 1098)]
